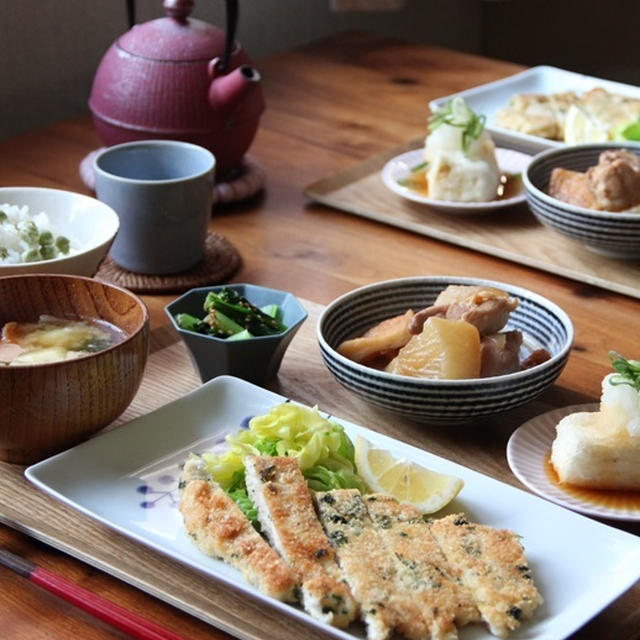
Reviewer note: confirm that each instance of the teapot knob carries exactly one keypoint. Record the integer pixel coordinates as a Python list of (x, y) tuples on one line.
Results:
[(178, 9)]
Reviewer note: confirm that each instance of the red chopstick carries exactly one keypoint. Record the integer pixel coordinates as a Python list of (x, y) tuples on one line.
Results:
[(112, 614)]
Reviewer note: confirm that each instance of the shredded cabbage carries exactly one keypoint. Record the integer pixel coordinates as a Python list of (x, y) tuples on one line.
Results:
[(324, 451)]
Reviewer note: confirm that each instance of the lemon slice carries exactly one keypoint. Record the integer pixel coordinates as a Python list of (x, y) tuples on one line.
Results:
[(580, 127), (406, 481)]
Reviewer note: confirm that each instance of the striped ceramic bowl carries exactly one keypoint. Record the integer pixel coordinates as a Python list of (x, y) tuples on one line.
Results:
[(543, 324), (608, 233)]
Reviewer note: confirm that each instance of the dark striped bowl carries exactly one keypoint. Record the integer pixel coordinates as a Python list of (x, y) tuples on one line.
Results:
[(543, 324), (608, 233)]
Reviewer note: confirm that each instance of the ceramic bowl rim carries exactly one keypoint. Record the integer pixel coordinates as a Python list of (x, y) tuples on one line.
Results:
[(154, 142), (225, 341), (537, 193), (112, 216), (68, 276), (427, 383)]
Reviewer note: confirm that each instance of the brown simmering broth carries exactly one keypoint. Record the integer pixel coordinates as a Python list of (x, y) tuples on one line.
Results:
[(609, 498), (53, 339)]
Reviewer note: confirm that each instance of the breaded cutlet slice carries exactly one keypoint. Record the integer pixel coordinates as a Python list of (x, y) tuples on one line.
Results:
[(371, 570), (425, 571), (220, 530), (279, 492), (491, 565)]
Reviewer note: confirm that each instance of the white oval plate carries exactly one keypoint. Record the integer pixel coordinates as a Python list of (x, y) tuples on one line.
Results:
[(527, 451), (399, 168)]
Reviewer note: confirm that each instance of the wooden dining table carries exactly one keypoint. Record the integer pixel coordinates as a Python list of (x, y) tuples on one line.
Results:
[(330, 105)]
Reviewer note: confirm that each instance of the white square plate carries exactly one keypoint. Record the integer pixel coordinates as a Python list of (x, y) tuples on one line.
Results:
[(127, 479), (488, 98)]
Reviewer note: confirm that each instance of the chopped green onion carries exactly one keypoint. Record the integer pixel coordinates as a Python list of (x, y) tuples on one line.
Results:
[(456, 113), (628, 371)]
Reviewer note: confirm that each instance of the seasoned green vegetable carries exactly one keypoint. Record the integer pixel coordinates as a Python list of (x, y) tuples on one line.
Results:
[(231, 316), (190, 323), (272, 310), (237, 308), (221, 325)]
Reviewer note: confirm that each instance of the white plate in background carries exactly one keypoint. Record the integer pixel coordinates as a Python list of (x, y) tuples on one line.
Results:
[(127, 479), (399, 168), (527, 452), (488, 98)]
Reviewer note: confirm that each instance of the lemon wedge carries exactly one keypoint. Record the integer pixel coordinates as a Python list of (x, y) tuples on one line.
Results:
[(579, 127), (406, 481)]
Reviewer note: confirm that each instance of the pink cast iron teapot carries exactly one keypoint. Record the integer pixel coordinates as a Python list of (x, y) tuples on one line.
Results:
[(181, 79)]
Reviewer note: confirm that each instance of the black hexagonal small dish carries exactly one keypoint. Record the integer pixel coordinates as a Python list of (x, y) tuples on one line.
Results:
[(255, 359)]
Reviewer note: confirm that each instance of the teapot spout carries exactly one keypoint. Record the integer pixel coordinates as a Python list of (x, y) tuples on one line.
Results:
[(227, 91)]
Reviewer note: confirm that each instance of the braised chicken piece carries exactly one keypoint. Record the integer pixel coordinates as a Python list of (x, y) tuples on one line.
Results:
[(500, 353), (486, 308), (535, 358), (615, 180), (572, 187), (612, 185), (458, 337)]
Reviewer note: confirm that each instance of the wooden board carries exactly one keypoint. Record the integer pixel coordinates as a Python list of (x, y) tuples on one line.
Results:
[(303, 377), (513, 234)]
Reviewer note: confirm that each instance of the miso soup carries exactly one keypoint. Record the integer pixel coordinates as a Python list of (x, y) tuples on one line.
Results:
[(54, 339)]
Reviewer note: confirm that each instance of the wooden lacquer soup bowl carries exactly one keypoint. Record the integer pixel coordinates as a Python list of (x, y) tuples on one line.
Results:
[(46, 408)]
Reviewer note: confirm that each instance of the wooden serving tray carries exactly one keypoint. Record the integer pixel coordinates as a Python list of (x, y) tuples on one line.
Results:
[(303, 377), (513, 234)]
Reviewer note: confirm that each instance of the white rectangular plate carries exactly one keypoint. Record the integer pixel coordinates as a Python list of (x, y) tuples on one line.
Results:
[(488, 98), (127, 479)]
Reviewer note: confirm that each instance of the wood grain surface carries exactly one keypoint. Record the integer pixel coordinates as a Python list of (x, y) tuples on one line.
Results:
[(330, 105)]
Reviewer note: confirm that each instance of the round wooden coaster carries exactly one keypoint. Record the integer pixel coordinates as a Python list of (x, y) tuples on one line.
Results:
[(221, 260)]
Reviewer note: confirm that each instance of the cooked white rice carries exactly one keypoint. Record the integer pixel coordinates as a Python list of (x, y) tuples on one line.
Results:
[(21, 238)]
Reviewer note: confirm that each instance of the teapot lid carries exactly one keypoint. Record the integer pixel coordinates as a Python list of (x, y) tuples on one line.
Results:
[(176, 37)]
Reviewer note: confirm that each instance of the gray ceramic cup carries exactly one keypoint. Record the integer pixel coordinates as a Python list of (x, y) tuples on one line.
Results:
[(162, 191)]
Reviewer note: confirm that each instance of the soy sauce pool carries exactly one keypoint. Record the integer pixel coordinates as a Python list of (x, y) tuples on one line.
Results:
[(510, 184), (608, 498)]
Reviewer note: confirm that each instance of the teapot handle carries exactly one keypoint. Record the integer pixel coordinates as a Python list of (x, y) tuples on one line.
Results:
[(232, 23)]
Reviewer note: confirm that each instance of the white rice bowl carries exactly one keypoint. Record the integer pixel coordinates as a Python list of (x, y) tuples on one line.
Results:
[(88, 224), (13, 246)]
